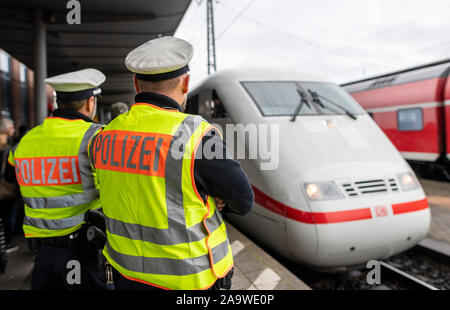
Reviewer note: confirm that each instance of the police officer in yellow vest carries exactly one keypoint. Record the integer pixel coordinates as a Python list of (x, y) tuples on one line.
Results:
[(57, 184), (164, 228)]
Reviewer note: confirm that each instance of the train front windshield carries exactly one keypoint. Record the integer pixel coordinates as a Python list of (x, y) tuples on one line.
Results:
[(279, 98)]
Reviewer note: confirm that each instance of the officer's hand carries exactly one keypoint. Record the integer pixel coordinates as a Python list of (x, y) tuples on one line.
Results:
[(220, 204)]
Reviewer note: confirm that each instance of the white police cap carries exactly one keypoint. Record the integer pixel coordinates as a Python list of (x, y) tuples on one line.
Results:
[(77, 85), (160, 59)]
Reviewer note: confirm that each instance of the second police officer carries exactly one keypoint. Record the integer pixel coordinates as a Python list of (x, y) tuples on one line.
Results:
[(160, 196), (57, 184)]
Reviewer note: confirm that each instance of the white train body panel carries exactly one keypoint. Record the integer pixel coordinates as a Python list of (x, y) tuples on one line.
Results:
[(323, 233)]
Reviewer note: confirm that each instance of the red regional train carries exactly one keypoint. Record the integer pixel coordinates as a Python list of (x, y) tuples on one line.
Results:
[(412, 107)]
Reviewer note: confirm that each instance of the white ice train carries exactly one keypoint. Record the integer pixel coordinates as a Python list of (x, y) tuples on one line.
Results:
[(341, 194)]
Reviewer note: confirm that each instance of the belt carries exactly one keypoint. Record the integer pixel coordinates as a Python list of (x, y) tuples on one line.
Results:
[(72, 241)]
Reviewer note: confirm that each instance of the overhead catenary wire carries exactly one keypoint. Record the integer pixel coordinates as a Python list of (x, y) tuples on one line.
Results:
[(275, 29), (235, 18), (226, 27), (342, 52)]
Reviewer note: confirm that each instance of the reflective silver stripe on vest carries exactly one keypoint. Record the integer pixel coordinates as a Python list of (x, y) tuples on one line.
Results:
[(54, 224), (87, 178), (168, 266), (162, 236), (174, 172), (60, 201)]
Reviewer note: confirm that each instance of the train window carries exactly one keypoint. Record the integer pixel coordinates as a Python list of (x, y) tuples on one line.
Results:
[(217, 108), (332, 97), (410, 119), (192, 105), (277, 98), (5, 85), (6, 94), (5, 61)]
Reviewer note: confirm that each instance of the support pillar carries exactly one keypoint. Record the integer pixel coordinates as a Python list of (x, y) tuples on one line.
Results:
[(40, 67)]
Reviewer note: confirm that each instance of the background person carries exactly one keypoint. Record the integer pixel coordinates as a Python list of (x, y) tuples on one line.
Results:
[(7, 127), (7, 183), (118, 108)]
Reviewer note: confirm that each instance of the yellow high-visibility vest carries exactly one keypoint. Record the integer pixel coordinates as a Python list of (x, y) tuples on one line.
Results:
[(159, 230), (55, 176)]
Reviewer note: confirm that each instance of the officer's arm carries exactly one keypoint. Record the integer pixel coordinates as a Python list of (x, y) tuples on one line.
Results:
[(91, 155), (223, 177), (90, 148), (10, 173)]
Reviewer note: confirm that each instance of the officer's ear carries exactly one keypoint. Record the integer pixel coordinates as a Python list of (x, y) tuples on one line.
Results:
[(185, 86), (91, 106), (136, 84)]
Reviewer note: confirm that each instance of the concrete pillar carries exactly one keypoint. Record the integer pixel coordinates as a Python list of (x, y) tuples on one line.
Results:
[(30, 99), (40, 67), (16, 93)]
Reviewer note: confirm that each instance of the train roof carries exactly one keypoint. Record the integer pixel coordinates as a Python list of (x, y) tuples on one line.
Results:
[(440, 64), (264, 74)]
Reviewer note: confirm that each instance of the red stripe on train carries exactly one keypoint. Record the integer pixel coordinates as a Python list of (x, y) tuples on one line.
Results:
[(329, 217), (410, 206), (310, 217)]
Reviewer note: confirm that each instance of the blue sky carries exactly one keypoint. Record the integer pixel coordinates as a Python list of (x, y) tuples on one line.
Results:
[(342, 40)]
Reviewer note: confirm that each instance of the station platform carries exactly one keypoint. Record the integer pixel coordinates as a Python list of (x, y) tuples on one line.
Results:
[(19, 268), (254, 268), (438, 196)]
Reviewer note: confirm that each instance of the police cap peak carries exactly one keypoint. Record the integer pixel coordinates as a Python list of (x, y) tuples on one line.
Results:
[(77, 85), (160, 59)]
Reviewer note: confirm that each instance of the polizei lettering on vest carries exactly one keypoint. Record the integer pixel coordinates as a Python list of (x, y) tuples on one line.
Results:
[(47, 171), (131, 152)]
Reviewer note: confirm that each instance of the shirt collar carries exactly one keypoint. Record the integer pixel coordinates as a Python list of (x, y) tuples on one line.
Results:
[(71, 114), (158, 100)]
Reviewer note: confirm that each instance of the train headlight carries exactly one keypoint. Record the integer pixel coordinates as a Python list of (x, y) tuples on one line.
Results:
[(323, 191), (408, 181)]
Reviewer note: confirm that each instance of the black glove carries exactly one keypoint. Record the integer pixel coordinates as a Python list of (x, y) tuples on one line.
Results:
[(95, 218), (223, 283)]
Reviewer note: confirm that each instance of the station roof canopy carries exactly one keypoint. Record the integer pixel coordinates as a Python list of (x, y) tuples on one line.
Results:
[(109, 29)]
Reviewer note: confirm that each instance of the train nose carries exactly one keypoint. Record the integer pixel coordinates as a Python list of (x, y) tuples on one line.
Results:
[(357, 235)]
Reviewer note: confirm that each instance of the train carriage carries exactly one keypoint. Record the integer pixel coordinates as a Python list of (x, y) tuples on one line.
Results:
[(412, 107)]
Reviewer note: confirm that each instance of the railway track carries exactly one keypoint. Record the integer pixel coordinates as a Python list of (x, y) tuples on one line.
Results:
[(428, 262), (424, 267), (436, 249), (394, 278)]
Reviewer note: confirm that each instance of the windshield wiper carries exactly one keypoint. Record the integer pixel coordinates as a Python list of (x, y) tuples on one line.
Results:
[(303, 100), (316, 98)]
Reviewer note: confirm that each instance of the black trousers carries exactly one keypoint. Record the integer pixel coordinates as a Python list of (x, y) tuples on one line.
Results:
[(122, 283), (61, 268), (6, 210)]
